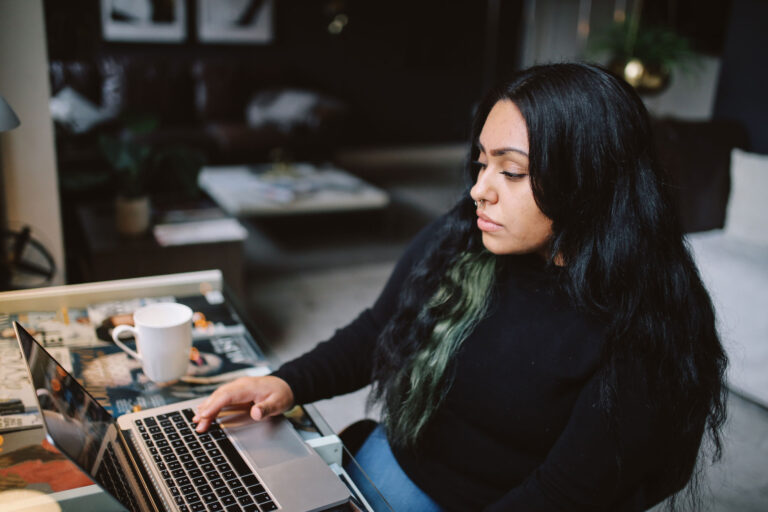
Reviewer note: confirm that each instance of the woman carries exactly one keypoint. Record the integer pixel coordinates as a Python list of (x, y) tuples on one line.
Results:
[(547, 344)]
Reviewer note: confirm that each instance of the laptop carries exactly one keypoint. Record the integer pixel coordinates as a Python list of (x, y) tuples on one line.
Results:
[(154, 460)]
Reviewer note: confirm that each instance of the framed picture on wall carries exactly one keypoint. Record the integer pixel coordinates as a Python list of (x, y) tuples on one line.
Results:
[(157, 21), (235, 21)]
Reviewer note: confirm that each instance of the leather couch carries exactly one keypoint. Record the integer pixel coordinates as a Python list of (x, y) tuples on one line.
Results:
[(200, 103)]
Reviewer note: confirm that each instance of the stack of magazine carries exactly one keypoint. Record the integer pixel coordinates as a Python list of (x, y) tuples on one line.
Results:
[(80, 339)]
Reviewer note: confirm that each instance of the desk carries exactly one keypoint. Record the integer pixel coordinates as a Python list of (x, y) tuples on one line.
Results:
[(66, 304), (107, 255)]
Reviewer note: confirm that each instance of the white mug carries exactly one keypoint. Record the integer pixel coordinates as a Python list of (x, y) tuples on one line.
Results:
[(163, 333)]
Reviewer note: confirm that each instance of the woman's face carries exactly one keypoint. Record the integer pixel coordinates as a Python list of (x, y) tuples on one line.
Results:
[(507, 214)]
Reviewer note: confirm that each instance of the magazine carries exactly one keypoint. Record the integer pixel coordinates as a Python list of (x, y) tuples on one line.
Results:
[(118, 383), (18, 406)]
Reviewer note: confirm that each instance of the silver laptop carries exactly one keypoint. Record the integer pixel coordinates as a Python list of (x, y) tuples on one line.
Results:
[(154, 460)]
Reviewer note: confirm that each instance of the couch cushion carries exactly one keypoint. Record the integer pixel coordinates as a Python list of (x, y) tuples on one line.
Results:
[(697, 156), (747, 205), (162, 87), (735, 272)]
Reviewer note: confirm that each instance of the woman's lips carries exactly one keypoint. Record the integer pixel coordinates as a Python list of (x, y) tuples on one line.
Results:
[(485, 223)]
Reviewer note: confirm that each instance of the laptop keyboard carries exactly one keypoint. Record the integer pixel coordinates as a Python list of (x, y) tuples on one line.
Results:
[(110, 475), (203, 471)]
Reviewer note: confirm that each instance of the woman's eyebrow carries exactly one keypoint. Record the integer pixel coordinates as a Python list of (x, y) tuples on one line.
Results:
[(503, 151)]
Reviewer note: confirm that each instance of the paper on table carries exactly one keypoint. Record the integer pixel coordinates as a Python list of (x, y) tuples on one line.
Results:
[(206, 231)]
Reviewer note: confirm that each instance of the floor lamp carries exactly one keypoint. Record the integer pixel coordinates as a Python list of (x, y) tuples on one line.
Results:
[(8, 121)]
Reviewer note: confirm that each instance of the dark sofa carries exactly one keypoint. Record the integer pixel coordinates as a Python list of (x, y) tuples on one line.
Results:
[(200, 103)]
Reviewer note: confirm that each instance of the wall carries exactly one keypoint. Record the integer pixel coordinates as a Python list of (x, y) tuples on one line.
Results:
[(28, 158), (744, 77)]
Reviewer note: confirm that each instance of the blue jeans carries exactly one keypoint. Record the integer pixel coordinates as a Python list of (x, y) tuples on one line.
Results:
[(376, 459)]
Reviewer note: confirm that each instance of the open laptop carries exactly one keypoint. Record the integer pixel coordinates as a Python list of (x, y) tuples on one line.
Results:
[(154, 460)]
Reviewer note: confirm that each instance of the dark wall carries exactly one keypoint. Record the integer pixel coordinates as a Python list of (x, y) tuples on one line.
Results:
[(741, 92), (411, 71)]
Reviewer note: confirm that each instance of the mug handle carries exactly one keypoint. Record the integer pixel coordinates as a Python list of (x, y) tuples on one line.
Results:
[(121, 329)]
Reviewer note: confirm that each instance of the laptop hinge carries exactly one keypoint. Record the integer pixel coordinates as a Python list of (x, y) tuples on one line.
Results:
[(147, 489)]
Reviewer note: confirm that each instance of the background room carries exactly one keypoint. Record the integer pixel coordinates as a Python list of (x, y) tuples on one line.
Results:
[(299, 145)]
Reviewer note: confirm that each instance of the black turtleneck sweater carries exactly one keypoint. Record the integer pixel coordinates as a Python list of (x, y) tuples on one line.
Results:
[(520, 428)]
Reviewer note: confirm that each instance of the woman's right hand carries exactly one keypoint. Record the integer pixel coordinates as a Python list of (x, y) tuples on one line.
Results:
[(267, 396)]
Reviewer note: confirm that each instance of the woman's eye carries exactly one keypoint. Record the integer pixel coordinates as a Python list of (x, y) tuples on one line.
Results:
[(478, 164), (514, 175)]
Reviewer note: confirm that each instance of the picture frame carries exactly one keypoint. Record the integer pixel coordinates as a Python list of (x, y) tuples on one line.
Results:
[(235, 21), (144, 20)]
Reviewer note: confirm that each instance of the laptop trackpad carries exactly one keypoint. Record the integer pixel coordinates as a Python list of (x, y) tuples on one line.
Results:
[(266, 443)]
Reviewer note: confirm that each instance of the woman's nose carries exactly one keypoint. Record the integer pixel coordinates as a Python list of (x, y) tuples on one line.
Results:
[(484, 189)]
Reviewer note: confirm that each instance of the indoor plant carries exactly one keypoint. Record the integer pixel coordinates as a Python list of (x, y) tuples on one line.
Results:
[(139, 168), (644, 55)]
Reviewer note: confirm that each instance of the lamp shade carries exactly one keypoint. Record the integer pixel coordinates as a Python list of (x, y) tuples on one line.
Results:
[(8, 119)]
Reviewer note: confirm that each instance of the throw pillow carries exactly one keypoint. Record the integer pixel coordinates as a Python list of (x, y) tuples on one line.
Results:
[(75, 112), (747, 205)]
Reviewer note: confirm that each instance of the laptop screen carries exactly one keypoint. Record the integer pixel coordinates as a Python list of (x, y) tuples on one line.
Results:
[(74, 420)]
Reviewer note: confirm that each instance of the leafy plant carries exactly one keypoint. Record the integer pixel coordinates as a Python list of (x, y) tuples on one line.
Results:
[(129, 156), (654, 45), (139, 168)]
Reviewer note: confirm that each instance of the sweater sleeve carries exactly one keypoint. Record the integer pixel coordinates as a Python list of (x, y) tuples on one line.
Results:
[(344, 362), (597, 464)]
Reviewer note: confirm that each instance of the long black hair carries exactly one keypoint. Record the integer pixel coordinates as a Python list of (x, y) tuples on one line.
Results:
[(595, 174)]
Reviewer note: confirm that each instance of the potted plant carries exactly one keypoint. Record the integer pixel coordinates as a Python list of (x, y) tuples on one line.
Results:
[(644, 55), (137, 166), (129, 158)]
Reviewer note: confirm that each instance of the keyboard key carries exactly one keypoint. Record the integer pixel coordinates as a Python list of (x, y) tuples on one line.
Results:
[(179, 500), (262, 498), (197, 507), (222, 467), (188, 489), (223, 491), (215, 506), (217, 483), (228, 500), (239, 491), (234, 508), (199, 480), (255, 489), (178, 473), (250, 480), (183, 481), (210, 498), (229, 475), (245, 500), (251, 508), (212, 475), (267, 506), (205, 489)]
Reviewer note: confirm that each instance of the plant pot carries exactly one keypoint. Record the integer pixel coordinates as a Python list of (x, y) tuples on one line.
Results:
[(132, 215)]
